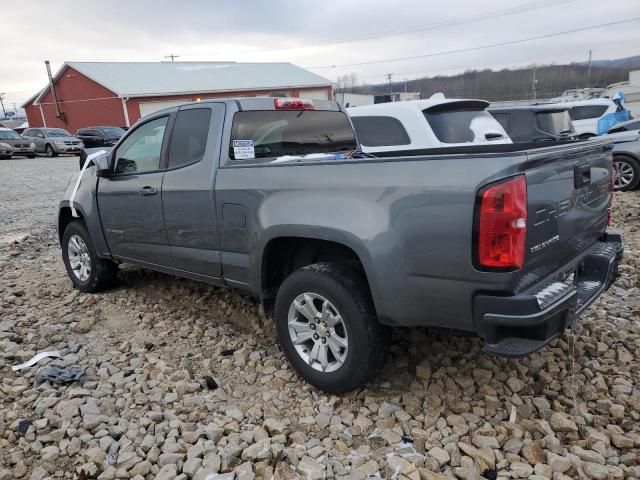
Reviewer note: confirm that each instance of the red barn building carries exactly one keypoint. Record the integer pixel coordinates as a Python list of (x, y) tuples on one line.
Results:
[(119, 93)]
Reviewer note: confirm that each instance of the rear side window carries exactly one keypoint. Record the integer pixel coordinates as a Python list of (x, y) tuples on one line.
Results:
[(380, 131), (189, 138), (557, 123), (276, 133), (503, 119), (464, 126), (587, 111)]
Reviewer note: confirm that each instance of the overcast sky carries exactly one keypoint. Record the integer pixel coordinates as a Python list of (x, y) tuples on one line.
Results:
[(324, 34)]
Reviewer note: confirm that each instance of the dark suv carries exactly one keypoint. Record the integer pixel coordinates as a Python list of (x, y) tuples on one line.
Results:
[(535, 123), (100, 136)]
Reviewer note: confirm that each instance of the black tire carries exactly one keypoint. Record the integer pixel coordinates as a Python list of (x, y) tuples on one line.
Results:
[(368, 340), (102, 273), (630, 166), (31, 156), (50, 152)]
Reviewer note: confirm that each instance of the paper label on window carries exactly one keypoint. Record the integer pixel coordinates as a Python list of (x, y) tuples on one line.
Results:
[(243, 149)]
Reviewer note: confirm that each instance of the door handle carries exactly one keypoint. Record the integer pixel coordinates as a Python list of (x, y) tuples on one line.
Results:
[(148, 191)]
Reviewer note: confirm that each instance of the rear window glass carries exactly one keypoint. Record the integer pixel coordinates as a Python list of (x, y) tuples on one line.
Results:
[(189, 137), (587, 111), (380, 131), (464, 126), (558, 123), (273, 133)]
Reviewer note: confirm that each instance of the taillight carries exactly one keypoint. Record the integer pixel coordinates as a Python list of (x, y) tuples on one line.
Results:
[(502, 224), (284, 103)]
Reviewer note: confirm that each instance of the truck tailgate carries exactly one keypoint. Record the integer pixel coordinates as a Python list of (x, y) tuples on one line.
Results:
[(569, 192)]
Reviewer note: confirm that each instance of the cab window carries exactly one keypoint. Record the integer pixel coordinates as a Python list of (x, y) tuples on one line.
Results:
[(140, 152)]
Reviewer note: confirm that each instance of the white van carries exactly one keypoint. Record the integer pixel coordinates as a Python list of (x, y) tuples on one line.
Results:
[(419, 124)]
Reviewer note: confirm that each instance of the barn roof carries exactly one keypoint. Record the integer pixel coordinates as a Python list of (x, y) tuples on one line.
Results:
[(139, 79)]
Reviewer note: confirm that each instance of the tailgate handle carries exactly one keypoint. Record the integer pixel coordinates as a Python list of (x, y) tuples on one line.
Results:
[(582, 175)]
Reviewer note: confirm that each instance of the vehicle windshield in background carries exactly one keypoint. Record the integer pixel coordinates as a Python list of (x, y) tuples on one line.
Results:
[(113, 131), (464, 126), (57, 132), (558, 123), (267, 134), (9, 135)]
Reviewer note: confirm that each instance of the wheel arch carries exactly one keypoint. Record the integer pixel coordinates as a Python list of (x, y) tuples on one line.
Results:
[(285, 251)]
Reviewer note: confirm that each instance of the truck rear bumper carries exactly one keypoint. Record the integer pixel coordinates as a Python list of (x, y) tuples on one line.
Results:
[(518, 325)]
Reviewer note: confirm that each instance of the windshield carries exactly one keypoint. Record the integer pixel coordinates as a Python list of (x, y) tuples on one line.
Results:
[(56, 132), (465, 126), (267, 134), (9, 135), (113, 131), (558, 123)]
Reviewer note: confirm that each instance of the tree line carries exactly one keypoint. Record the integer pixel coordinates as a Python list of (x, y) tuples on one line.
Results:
[(506, 84)]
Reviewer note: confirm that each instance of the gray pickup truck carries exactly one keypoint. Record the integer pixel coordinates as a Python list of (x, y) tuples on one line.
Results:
[(274, 196)]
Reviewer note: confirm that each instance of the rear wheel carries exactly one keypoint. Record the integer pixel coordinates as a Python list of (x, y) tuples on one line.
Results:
[(627, 173), (327, 327), (87, 271), (49, 151), (32, 155)]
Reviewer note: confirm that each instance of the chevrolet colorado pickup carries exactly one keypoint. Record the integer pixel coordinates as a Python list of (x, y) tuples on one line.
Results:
[(275, 197)]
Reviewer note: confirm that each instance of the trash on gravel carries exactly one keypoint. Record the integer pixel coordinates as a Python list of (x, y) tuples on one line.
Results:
[(59, 375), (35, 359), (211, 383), (23, 426)]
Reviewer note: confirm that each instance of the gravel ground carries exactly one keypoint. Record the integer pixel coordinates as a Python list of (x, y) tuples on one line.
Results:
[(35, 185), (184, 380)]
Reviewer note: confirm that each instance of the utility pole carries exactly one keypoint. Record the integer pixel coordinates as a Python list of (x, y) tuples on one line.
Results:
[(405, 85), (534, 84), (589, 71), (172, 57), (389, 78), (4, 114), (15, 109)]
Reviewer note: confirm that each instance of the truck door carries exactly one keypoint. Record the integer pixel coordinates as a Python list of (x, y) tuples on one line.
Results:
[(188, 189), (129, 200)]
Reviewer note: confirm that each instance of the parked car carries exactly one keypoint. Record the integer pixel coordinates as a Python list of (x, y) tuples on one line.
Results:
[(53, 141), (626, 126), (596, 116), (437, 122), (21, 146), (626, 159), (100, 136), (535, 123), (271, 195), (6, 151)]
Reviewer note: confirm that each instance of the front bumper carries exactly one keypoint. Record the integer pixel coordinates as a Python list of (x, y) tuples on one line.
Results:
[(68, 149), (521, 324)]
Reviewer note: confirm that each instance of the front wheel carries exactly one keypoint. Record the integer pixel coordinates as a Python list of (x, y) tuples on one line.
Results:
[(49, 151), (87, 271), (627, 173), (327, 327)]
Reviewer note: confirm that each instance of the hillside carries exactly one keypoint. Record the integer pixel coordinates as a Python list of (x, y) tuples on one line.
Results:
[(516, 84)]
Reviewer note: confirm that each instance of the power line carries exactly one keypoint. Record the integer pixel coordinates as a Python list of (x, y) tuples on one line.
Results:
[(400, 31), (480, 47)]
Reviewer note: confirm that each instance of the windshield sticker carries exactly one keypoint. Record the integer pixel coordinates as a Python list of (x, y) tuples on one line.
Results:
[(243, 149)]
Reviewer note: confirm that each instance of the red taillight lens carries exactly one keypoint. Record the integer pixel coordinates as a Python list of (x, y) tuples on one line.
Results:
[(284, 103), (502, 224)]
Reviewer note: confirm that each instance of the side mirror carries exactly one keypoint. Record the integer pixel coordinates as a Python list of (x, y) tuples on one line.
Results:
[(103, 168)]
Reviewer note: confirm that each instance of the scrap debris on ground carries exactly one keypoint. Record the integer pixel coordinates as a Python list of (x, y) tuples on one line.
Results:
[(184, 380)]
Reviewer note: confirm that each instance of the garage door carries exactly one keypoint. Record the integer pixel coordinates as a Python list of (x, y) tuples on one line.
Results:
[(147, 108), (315, 94)]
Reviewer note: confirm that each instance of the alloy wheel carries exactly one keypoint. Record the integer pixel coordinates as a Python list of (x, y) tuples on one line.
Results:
[(79, 258), (624, 173), (318, 332)]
